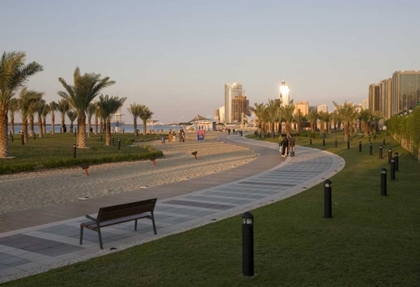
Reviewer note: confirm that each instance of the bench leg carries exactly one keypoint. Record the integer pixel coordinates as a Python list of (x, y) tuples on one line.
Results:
[(81, 234), (100, 238), (154, 225), (135, 225)]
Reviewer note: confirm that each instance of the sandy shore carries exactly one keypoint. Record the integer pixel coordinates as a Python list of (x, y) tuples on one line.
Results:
[(37, 189)]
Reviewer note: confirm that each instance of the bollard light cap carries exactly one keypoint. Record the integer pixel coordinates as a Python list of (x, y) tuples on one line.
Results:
[(383, 170), (247, 218), (396, 154), (327, 183)]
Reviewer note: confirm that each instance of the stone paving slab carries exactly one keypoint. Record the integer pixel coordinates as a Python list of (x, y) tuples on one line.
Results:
[(56, 243)]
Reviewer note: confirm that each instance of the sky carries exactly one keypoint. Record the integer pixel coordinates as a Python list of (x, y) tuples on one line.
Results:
[(176, 56)]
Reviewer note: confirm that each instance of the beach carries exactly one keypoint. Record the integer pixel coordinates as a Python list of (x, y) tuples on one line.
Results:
[(47, 187)]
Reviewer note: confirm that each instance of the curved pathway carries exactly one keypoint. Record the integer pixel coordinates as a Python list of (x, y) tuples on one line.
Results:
[(52, 242)]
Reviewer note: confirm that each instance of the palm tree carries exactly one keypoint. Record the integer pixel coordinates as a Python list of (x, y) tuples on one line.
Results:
[(13, 108), (33, 109), (312, 118), (72, 115), (90, 112), (347, 113), (63, 108), (13, 75), (134, 109), (145, 115), (272, 109), (39, 109), (53, 108), (258, 110), (86, 87), (45, 111), (298, 118), (288, 116), (26, 100), (376, 117), (108, 106), (365, 119), (323, 118)]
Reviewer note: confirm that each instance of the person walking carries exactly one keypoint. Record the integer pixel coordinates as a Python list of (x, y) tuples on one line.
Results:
[(173, 136), (285, 147), (170, 136), (291, 145)]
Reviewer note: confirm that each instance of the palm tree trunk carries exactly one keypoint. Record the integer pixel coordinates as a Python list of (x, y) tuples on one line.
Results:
[(4, 144), (44, 124), (63, 123), (81, 130), (144, 127), (96, 124), (135, 127), (12, 124), (108, 132), (31, 125), (346, 131), (52, 122), (25, 130), (40, 127)]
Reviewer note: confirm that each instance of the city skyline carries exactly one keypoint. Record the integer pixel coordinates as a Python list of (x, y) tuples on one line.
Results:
[(176, 57)]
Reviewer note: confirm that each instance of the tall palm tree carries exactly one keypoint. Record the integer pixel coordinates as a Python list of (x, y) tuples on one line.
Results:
[(13, 75), (297, 118), (72, 115), (323, 118), (134, 110), (376, 117), (288, 116), (13, 108), (145, 115), (258, 110), (39, 108), (365, 119), (33, 109), (347, 114), (26, 100), (45, 111), (312, 118), (85, 88), (90, 112), (272, 108), (63, 107), (109, 105), (53, 109)]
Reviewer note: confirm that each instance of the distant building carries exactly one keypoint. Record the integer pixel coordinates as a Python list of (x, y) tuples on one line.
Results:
[(284, 93), (222, 114), (322, 108), (374, 97), (365, 104), (232, 90), (405, 91), (240, 108), (302, 107), (385, 96)]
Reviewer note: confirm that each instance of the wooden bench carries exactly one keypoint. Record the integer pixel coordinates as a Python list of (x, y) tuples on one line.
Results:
[(121, 213)]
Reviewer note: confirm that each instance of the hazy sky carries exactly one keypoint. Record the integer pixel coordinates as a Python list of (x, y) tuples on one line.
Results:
[(176, 56)]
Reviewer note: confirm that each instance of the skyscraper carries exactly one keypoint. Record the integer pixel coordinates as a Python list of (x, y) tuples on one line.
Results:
[(385, 93), (231, 91), (240, 107), (374, 97), (405, 90)]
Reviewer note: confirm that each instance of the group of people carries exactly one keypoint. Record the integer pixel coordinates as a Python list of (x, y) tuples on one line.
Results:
[(287, 146), (172, 136)]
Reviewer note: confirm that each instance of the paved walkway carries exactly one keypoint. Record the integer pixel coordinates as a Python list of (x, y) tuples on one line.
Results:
[(33, 241)]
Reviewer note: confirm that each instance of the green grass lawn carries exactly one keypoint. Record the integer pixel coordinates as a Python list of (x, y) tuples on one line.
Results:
[(371, 240), (57, 151)]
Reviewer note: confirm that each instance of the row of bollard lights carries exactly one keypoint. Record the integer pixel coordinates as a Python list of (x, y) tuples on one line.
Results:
[(248, 218)]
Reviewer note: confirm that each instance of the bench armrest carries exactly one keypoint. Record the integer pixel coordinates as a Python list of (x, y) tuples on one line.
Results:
[(90, 217)]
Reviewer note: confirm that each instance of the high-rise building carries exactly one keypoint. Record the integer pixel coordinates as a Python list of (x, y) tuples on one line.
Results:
[(303, 107), (231, 91), (374, 97), (385, 94), (240, 108), (222, 114), (284, 93), (405, 90), (322, 108)]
